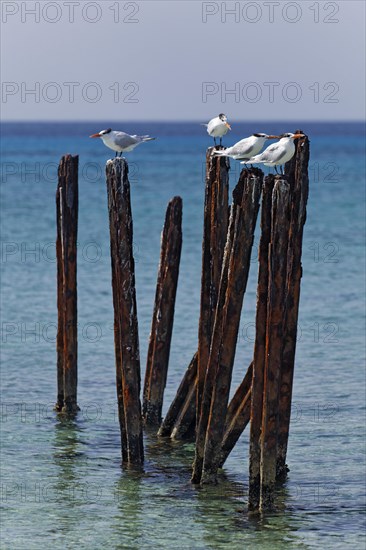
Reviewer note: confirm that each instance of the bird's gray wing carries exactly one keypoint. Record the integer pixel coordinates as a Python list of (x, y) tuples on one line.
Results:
[(125, 140), (242, 151), (273, 152), (281, 154)]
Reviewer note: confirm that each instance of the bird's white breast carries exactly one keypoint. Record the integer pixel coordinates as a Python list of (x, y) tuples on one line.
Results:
[(217, 128), (109, 141)]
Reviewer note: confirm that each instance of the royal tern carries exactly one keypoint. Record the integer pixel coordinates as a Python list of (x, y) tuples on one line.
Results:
[(246, 148), (120, 141), (218, 127), (277, 154)]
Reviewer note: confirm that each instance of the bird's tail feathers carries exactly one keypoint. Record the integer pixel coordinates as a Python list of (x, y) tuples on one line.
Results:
[(253, 160), (144, 138)]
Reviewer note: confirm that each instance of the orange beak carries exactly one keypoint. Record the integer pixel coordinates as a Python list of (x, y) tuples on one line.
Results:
[(298, 136), (273, 137), (95, 136), (228, 125)]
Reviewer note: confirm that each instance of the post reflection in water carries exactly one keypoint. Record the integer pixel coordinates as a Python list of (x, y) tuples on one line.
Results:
[(222, 515), (67, 489), (152, 502), (128, 519)]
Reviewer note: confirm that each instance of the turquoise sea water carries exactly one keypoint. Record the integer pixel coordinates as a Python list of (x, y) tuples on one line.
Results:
[(62, 482)]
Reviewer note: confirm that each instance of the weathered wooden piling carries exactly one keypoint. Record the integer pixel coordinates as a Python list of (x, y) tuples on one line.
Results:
[(276, 304), (297, 173), (163, 315), (259, 346), (114, 239), (185, 426), (244, 211), (60, 308), (215, 224), (124, 302), (283, 218), (234, 274), (66, 254), (237, 416), (182, 414), (181, 400)]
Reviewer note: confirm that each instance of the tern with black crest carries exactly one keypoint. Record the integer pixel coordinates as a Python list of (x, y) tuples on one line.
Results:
[(120, 141), (277, 154)]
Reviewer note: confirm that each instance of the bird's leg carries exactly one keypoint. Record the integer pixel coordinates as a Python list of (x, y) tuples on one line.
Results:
[(220, 141), (215, 141), (116, 155), (275, 167)]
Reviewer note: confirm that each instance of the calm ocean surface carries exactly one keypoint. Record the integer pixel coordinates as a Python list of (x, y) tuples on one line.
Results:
[(62, 482)]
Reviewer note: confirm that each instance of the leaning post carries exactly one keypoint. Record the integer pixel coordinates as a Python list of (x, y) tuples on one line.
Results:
[(163, 315)]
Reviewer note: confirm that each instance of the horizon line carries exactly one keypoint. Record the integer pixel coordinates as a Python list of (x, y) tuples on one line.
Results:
[(181, 121)]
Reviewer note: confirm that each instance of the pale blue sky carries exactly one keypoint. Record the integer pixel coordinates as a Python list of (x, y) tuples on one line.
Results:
[(178, 60)]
